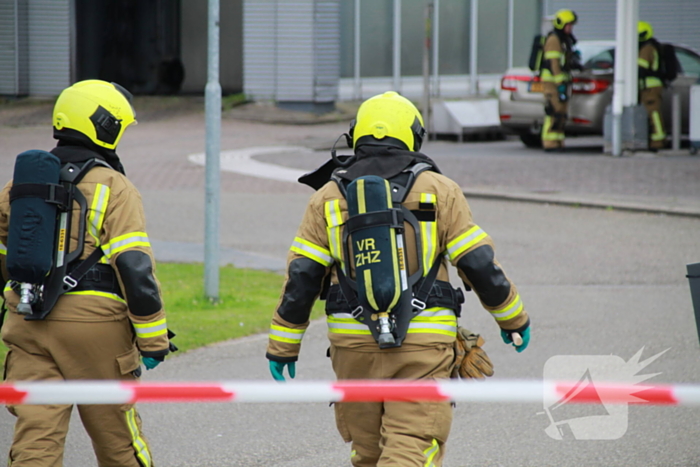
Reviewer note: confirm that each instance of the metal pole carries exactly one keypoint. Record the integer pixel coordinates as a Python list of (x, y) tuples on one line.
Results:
[(619, 79), (436, 48), (676, 121), (511, 25), (397, 45), (473, 47), (212, 107), (358, 84), (426, 66), (694, 280), (632, 52)]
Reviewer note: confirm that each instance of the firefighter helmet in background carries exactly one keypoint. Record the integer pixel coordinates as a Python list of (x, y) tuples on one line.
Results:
[(645, 31), (98, 110), (388, 119), (564, 17)]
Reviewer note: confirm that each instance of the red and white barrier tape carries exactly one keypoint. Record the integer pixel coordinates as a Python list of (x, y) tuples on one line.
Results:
[(518, 391)]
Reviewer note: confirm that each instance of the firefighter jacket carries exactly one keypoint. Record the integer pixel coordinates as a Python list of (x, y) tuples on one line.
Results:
[(116, 224), (448, 234), (648, 62), (558, 58)]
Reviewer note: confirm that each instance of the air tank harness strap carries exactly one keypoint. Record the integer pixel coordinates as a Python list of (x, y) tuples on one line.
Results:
[(49, 192)]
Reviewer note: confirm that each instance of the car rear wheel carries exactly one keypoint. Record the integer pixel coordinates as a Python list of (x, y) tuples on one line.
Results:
[(531, 141)]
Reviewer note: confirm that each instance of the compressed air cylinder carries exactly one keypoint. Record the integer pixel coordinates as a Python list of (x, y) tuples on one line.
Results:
[(374, 248), (31, 237)]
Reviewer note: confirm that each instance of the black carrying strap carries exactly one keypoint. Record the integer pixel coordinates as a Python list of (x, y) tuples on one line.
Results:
[(425, 285), (50, 192), (71, 279), (390, 217)]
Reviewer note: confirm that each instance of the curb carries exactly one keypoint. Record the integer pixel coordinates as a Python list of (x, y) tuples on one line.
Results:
[(569, 202)]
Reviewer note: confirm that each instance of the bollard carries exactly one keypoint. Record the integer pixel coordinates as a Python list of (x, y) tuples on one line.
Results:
[(694, 279), (676, 121)]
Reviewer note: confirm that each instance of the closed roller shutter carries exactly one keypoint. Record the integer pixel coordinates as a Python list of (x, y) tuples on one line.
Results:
[(14, 65), (259, 50), (295, 53), (327, 51), (49, 47), (291, 50)]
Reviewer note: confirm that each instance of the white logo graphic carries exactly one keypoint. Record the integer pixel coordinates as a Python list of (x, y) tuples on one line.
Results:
[(604, 420)]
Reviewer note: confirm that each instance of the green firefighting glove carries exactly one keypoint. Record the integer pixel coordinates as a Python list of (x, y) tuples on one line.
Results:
[(150, 362), (525, 334), (277, 370), (561, 92)]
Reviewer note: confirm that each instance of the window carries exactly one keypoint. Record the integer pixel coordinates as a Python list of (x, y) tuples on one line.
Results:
[(690, 63)]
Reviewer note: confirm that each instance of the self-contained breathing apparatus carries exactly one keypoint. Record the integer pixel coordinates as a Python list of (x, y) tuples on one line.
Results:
[(40, 265), (375, 285)]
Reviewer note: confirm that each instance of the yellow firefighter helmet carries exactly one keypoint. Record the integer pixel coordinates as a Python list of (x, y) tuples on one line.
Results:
[(388, 119), (98, 110)]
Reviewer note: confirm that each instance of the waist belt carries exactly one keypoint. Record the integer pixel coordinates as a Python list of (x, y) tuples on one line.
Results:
[(100, 277), (442, 295)]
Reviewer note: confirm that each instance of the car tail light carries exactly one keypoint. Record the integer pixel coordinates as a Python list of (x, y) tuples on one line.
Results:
[(581, 121), (589, 86), (510, 82), (505, 116)]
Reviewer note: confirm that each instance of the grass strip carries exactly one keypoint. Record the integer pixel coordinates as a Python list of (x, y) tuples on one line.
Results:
[(247, 299)]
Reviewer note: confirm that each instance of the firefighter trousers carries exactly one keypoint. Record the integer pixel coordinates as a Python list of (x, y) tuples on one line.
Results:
[(394, 434), (651, 98), (555, 115), (69, 350)]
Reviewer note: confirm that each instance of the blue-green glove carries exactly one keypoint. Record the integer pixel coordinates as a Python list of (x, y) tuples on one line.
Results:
[(277, 370), (561, 92), (506, 336), (150, 363)]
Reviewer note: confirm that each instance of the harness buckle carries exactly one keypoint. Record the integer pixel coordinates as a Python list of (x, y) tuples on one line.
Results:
[(70, 282), (418, 304), (357, 312)]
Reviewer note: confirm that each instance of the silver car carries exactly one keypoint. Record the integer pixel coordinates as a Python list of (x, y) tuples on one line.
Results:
[(521, 102)]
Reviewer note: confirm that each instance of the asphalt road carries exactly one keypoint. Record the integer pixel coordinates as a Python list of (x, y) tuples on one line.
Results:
[(596, 283)]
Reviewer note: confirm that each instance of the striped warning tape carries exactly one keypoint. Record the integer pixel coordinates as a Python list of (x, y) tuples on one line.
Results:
[(515, 391)]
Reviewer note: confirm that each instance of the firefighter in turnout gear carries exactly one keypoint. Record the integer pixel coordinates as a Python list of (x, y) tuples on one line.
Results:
[(430, 217), (109, 315), (651, 84), (555, 74)]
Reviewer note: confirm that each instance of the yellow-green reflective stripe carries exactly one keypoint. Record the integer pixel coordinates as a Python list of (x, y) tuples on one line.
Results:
[(344, 323), (435, 313), (428, 232), (97, 211), (153, 329), (361, 206), (553, 55), (561, 77), (432, 328), (430, 453), (509, 311), (658, 134), (334, 220), (7, 287), (465, 241), (137, 441), (97, 293), (3, 249), (311, 251), (283, 334), (394, 253), (655, 65), (652, 82), (643, 62), (125, 241)]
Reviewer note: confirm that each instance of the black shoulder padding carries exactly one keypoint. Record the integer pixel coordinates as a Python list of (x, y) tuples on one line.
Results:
[(140, 288), (487, 279), (304, 284)]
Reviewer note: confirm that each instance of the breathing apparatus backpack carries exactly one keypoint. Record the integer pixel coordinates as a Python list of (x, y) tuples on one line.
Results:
[(39, 265), (375, 284)]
